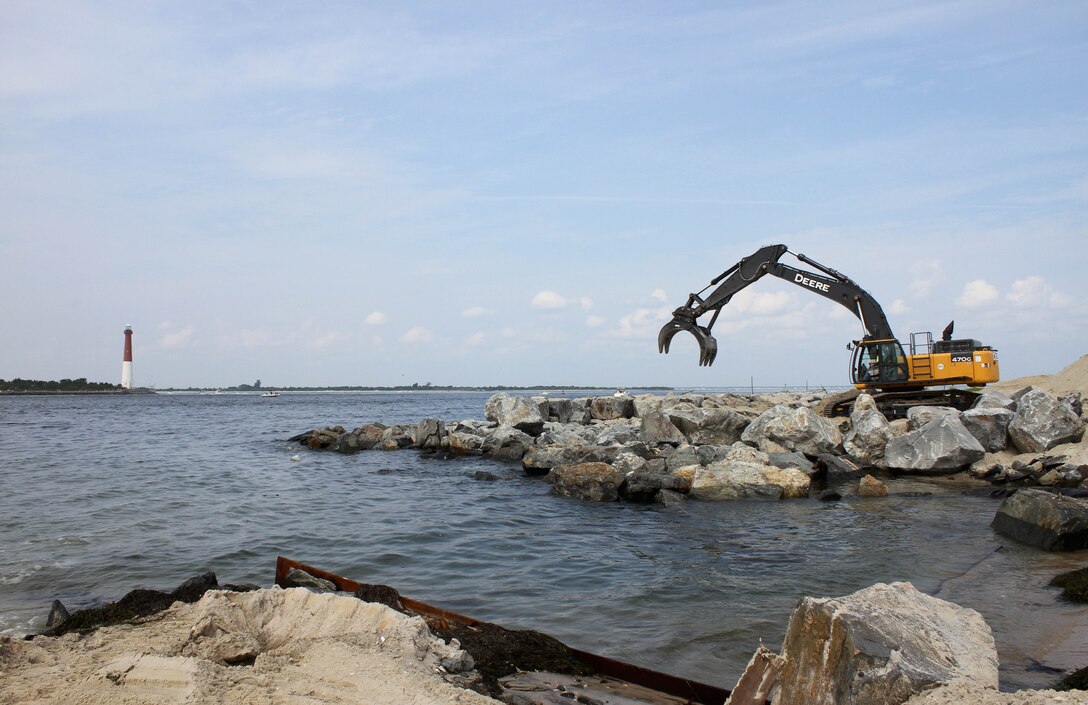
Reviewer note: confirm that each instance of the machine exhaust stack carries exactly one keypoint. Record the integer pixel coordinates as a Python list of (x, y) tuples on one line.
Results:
[(126, 365)]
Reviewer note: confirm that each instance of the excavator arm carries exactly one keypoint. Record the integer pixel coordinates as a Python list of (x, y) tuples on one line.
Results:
[(830, 284)]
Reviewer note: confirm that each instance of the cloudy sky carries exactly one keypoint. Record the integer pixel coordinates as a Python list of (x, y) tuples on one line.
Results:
[(519, 193)]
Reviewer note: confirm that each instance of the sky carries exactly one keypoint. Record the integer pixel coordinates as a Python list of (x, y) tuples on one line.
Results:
[(485, 193)]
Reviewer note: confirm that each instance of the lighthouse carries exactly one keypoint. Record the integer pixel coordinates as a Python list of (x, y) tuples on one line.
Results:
[(126, 366)]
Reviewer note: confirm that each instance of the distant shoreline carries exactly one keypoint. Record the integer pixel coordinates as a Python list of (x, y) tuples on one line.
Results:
[(74, 392)]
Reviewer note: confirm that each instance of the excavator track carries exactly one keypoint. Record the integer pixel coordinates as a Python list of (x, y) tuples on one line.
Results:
[(894, 405)]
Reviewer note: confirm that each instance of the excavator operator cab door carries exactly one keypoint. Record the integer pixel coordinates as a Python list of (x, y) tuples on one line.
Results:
[(879, 362)]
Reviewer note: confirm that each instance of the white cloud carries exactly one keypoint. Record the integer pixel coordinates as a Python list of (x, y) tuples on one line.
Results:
[(376, 318), (977, 293), (898, 307), (594, 321), (548, 300), (476, 312), (927, 274), (176, 339), (323, 341), (585, 302), (477, 338), (659, 294), (418, 334), (1034, 292), (642, 323)]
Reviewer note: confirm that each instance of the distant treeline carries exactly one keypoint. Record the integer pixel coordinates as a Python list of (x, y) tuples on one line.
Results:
[(64, 385)]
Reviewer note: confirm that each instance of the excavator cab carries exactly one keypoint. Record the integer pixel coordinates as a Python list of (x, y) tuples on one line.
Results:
[(879, 362)]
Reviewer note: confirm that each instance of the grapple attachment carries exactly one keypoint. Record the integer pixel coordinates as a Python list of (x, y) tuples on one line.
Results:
[(708, 346)]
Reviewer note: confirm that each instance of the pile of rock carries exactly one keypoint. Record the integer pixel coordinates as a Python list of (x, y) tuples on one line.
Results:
[(722, 446)]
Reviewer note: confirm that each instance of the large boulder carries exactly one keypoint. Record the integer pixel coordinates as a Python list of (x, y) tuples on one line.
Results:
[(1043, 519), (611, 408), (722, 426), (615, 433), (1043, 422), (881, 645), (786, 428), (746, 473), (918, 416), (430, 434), (656, 427), (597, 482), (518, 412), (994, 400), (989, 425), (869, 432), (507, 443), (941, 446)]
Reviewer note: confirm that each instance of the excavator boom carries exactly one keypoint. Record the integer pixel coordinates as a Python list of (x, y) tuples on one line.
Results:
[(831, 284)]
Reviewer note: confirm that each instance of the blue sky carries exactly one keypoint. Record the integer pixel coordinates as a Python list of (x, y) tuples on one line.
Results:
[(517, 193)]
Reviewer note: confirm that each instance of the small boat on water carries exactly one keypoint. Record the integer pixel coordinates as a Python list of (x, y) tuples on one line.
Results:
[(616, 682), (620, 393), (270, 394)]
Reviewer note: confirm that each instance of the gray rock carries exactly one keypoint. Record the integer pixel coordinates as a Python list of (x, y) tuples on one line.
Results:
[(627, 462), (400, 436), (57, 614), (669, 498), (836, 471), (1043, 422), (656, 427), (515, 411), (722, 426), (538, 460), (645, 404), (579, 410), (682, 457), (791, 460), (989, 425), (643, 485), (611, 408), (941, 446), (616, 433), (869, 432), (1021, 393), (567, 433), (507, 443), (596, 482), (466, 438), (918, 416), (300, 578), (745, 473), (882, 645), (994, 400), (869, 486), (484, 476), (713, 453), (785, 428), (1074, 401), (430, 434), (1043, 519)]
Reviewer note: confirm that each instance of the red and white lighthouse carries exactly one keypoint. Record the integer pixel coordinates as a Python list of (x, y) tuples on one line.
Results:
[(126, 366)]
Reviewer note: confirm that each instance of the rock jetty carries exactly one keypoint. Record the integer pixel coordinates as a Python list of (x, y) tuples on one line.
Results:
[(649, 448)]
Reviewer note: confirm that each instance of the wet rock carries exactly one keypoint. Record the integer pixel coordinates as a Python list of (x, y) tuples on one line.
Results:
[(835, 470), (1044, 519), (656, 427), (869, 432), (669, 498), (645, 484), (57, 614), (596, 482), (323, 438), (397, 436), (1074, 585), (194, 588), (300, 578), (881, 645), (466, 438), (485, 476), (1042, 422), (989, 426), (829, 496), (941, 446), (784, 428), (869, 486), (429, 434), (517, 412), (539, 460), (611, 408)]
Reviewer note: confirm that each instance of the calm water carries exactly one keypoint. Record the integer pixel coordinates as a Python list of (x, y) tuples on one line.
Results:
[(99, 495)]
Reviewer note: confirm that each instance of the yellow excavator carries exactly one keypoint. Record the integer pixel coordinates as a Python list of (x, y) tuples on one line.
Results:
[(880, 365)]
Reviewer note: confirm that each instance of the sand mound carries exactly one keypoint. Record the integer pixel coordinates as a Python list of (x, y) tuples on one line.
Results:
[(1073, 378), (283, 646)]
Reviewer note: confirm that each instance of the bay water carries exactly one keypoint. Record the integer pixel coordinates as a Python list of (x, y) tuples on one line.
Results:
[(103, 494)]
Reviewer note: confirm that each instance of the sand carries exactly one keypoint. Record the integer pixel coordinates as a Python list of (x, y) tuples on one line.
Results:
[(970, 694), (1073, 378), (289, 647)]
